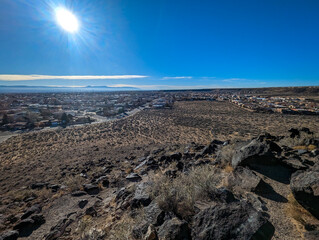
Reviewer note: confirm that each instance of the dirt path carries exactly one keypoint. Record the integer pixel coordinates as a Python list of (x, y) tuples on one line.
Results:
[(6, 135), (275, 196)]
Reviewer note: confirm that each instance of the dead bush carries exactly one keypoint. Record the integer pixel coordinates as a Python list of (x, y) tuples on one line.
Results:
[(229, 168), (298, 141), (304, 147), (180, 194), (44, 194), (226, 154), (74, 183), (123, 228), (87, 229), (22, 194)]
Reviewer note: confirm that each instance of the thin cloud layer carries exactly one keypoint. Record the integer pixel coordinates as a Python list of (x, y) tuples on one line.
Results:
[(234, 79), (166, 87), (15, 77), (182, 77)]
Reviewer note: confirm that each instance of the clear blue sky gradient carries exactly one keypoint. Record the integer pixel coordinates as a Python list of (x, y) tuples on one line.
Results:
[(225, 43)]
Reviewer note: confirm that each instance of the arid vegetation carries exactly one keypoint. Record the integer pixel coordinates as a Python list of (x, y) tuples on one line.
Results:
[(86, 178)]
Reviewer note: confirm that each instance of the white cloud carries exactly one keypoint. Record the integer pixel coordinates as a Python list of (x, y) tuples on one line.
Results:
[(15, 77), (166, 87), (182, 77), (233, 79)]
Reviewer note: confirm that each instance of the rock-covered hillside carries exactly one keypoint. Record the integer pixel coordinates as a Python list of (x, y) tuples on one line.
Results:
[(263, 188)]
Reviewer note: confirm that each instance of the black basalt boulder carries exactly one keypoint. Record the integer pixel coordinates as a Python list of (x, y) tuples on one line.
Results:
[(256, 152), (234, 220), (305, 188)]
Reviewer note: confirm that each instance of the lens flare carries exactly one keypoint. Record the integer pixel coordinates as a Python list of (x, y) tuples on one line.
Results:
[(67, 20)]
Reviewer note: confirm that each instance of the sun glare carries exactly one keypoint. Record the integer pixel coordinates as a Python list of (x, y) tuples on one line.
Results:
[(67, 20)]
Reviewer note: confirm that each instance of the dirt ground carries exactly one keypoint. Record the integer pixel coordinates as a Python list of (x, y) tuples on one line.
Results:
[(60, 156), (50, 156)]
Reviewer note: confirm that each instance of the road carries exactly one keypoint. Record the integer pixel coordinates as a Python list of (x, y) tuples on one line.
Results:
[(98, 119)]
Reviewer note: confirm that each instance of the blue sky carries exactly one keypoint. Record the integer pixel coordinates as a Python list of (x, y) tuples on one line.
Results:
[(161, 44)]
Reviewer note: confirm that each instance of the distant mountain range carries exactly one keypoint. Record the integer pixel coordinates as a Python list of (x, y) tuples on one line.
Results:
[(42, 89)]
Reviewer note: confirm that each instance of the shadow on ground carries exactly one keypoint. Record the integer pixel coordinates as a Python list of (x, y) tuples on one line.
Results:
[(267, 191)]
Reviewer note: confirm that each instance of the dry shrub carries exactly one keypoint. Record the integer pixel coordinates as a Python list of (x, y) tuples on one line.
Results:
[(122, 229), (20, 195), (74, 183), (229, 168), (128, 170), (298, 141), (44, 194), (227, 153), (311, 147), (300, 148), (180, 194), (304, 147), (100, 185), (58, 194), (87, 229)]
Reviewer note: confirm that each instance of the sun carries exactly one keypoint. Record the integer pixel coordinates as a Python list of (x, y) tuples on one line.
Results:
[(67, 20)]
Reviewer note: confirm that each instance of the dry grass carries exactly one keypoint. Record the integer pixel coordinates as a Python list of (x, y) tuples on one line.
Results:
[(74, 183), (300, 148), (20, 195), (229, 168), (304, 147), (179, 195), (43, 154), (227, 154), (44, 194), (311, 147), (122, 229), (87, 229), (51, 156), (300, 142)]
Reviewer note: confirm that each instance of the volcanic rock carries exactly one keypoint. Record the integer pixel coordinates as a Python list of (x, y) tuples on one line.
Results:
[(256, 152), (10, 235), (305, 188), (174, 229), (91, 189), (235, 220), (134, 177)]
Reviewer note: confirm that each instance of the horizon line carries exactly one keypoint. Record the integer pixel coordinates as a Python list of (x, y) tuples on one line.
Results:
[(30, 77)]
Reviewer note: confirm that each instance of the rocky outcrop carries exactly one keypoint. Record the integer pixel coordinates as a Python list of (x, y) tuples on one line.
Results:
[(82, 203), (34, 209), (91, 189), (151, 233), (27, 226), (294, 164), (141, 195), (244, 178), (305, 188), (58, 230), (103, 180), (238, 210), (174, 229), (78, 193), (257, 151), (154, 216), (9, 235), (133, 177), (235, 220)]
